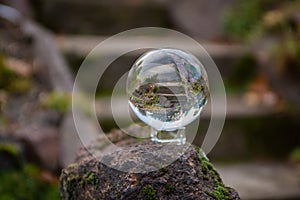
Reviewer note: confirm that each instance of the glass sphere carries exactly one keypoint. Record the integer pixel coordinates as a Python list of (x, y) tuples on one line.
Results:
[(167, 88)]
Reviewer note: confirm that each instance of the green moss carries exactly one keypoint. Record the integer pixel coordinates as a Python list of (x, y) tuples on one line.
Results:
[(208, 168), (286, 55), (19, 85), (12, 82), (6, 75), (204, 169), (168, 189), (72, 165), (242, 17), (70, 185), (58, 101), (81, 182), (220, 191), (295, 154), (91, 178), (72, 177), (165, 135), (26, 184), (3, 119), (10, 148), (163, 170), (149, 193), (196, 87)]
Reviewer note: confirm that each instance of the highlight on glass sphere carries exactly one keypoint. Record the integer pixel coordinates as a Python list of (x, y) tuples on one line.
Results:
[(167, 89)]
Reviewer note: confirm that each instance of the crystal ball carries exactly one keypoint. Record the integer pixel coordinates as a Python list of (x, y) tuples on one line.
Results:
[(167, 88)]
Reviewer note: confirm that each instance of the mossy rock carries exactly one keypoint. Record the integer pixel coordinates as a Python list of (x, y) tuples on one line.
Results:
[(10, 81), (10, 157), (191, 176), (26, 183), (58, 101), (21, 180)]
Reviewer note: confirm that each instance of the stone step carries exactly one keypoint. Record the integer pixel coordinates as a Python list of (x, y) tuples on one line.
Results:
[(255, 181), (100, 16), (76, 48), (196, 17), (83, 44)]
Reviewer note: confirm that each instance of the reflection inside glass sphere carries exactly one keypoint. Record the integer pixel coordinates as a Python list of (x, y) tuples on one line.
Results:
[(167, 90)]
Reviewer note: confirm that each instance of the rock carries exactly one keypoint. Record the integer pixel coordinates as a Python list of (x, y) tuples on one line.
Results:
[(69, 141), (191, 176), (41, 144), (19, 67), (22, 6)]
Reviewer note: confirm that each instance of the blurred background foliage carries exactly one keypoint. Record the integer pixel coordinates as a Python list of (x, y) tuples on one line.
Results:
[(251, 21), (26, 183), (23, 180)]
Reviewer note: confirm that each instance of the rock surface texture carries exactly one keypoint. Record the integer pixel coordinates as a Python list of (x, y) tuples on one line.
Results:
[(191, 176)]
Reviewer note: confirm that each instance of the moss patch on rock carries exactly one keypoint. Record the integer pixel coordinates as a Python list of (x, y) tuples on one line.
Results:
[(149, 193), (9, 148), (163, 170), (12, 82), (220, 191), (90, 178), (168, 189), (58, 101)]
